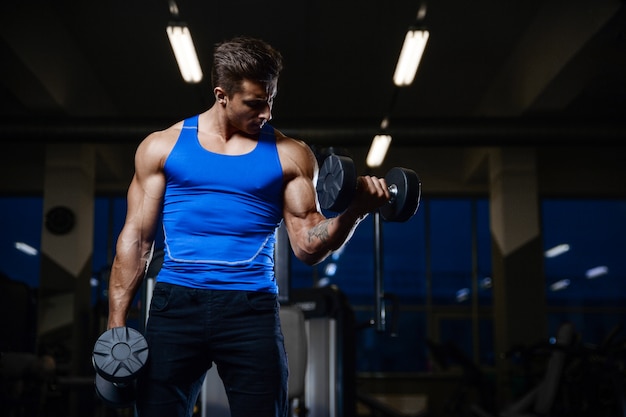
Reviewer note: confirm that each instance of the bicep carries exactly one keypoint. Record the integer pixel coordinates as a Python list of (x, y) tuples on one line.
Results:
[(144, 198), (143, 207), (301, 216), (300, 198), (300, 203), (301, 208)]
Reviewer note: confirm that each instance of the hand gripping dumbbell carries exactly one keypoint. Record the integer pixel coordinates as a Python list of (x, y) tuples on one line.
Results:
[(337, 182), (119, 355)]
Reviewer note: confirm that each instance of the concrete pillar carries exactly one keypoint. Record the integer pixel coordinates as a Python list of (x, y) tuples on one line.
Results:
[(65, 311), (518, 281)]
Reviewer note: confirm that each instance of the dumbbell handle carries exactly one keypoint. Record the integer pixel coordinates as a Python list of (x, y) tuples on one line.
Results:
[(393, 190)]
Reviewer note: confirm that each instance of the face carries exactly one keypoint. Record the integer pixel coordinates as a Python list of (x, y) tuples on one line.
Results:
[(249, 109)]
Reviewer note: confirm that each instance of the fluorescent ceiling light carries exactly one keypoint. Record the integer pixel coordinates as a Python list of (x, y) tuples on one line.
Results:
[(485, 283), (410, 57), (557, 250), (323, 282), (331, 269), (596, 272), (560, 285), (462, 295), (26, 248), (185, 52), (378, 150)]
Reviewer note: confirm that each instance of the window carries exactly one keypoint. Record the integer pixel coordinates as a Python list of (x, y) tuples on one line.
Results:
[(20, 240), (586, 278)]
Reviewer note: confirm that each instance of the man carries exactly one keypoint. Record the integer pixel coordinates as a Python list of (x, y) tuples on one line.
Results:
[(223, 181)]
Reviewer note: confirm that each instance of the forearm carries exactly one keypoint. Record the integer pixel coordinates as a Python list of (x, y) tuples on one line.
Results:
[(127, 274), (120, 299), (327, 236)]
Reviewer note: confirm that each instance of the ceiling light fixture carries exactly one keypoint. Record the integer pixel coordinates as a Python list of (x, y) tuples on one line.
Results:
[(462, 295), (379, 147), (378, 150), (596, 272), (185, 52), (26, 248), (560, 285), (557, 250), (412, 51)]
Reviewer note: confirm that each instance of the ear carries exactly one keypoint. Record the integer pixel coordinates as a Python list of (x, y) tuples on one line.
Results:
[(220, 95)]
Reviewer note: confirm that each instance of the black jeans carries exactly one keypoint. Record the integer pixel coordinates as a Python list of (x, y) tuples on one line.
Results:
[(189, 329)]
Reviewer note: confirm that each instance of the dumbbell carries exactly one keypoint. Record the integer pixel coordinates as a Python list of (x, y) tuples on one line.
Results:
[(119, 356), (337, 182)]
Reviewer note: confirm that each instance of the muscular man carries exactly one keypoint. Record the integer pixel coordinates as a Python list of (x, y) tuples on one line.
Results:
[(221, 182)]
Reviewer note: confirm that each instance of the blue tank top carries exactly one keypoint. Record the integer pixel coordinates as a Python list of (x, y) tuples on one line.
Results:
[(220, 214)]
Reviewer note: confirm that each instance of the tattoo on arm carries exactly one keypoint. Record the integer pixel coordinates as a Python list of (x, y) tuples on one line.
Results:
[(320, 231)]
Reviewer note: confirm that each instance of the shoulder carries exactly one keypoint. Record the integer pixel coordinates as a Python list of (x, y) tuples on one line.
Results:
[(295, 155), (155, 147)]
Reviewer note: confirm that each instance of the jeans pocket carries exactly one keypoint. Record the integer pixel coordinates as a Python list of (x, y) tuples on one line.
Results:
[(262, 301), (160, 297)]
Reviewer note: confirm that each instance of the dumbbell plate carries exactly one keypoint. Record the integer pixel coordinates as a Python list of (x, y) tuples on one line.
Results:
[(119, 354), (336, 183), (115, 395), (403, 205)]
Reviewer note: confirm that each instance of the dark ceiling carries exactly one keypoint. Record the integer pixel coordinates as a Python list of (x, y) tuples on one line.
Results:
[(493, 69)]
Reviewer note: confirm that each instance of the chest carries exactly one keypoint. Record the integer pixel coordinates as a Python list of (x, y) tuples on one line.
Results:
[(194, 170), (235, 146)]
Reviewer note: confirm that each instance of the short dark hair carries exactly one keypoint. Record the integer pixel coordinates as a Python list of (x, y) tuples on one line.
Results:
[(244, 58)]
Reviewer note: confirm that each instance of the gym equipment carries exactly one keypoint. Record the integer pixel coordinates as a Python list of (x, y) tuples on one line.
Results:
[(119, 355), (405, 189), (542, 399), (330, 328), (337, 183)]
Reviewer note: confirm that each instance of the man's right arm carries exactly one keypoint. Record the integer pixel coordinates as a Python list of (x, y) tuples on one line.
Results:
[(313, 236), (134, 243)]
